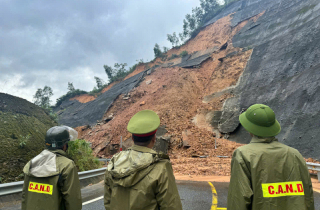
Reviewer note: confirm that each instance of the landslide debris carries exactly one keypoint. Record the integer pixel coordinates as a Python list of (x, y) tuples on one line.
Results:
[(177, 95), (19, 119)]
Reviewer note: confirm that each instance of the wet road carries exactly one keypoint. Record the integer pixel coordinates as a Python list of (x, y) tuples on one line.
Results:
[(194, 196)]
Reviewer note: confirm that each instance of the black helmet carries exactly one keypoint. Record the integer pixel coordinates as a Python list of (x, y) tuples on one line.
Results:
[(58, 136)]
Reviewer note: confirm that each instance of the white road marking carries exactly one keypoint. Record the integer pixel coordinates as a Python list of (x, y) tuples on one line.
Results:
[(91, 201)]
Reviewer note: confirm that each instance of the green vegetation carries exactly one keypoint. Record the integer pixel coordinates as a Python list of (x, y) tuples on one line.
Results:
[(69, 95), (173, 56), (174, 39), (119, 71), (19, 119), (80, 151), (114, 74), (42, 97), (183, 53), (100, 82), (193, 22), (23, 140), (158, 53)]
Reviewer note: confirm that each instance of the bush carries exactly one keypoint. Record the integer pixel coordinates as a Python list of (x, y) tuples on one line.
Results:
[(173, 56), (183, 53), (23, 140), (69, 95), (81, 153)]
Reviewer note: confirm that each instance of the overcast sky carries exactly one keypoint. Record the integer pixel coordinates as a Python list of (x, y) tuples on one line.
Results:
[(56, 42)]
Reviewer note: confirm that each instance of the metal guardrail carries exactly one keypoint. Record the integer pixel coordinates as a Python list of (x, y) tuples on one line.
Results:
[(105, 160), (16, 187), (315, 167)]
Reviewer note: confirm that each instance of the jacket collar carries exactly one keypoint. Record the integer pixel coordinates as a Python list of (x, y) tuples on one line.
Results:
[(60, 152), (263, 140), (142, 149)]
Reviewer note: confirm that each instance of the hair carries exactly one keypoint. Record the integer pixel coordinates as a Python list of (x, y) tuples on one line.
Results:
[(142, 141)]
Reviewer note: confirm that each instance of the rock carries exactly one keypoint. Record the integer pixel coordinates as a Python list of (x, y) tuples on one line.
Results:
[(223, 47), (149, 72), (162, 144), (149, 82), (229, 120), (216, 118), (112, 149), (161, 131), (142, 103), (107, 119), (163, 141), (126, 98), (185, 139)]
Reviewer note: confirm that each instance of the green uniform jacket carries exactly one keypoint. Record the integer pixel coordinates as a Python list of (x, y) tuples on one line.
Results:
[(140, 179), (51, 183), (268, 175)]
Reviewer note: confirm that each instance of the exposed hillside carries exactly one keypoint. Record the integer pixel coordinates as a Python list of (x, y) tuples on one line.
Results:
[(177, 95), (18, 119), (261, 51), (284, 70)]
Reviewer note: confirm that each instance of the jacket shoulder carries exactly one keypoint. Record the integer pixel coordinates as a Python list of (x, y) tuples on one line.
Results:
[(163, 165), (64, 163)]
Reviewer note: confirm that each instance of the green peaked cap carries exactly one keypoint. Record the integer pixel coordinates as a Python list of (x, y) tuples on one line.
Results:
[(260, 120), (143, 122)]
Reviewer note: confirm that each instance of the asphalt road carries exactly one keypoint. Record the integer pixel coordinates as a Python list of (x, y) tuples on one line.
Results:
[(194, 196)]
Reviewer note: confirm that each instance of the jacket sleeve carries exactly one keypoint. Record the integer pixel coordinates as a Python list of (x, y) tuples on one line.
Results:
[(240, 192), (307, 184), (24, 189), (107, 191), (70, 188), (167, 194)]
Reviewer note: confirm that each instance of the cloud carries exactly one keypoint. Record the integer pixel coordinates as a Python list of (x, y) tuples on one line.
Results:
[(56, 42)]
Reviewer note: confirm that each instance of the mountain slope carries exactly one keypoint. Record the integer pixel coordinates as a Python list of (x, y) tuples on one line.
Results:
[(18, 119)]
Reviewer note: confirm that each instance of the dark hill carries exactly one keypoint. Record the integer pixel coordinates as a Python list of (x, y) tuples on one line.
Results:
[(20, 118)]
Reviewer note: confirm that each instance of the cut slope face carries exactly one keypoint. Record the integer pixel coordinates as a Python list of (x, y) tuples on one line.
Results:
[(74, 114), (284, 71), (20, 118)]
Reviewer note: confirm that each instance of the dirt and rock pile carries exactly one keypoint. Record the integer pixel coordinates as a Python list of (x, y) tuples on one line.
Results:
[(177, 94), (252, 52)]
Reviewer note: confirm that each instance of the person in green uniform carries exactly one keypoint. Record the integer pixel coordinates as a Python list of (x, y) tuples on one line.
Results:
[(51, 179), (141, 178), (267, 174)]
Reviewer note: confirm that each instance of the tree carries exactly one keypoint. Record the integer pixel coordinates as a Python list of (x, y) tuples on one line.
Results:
[(157, 51), (165, 49), (193, 22), (42, 97), (100, 82), (109, 71), (120, 67), (71, 87), (174, 39)]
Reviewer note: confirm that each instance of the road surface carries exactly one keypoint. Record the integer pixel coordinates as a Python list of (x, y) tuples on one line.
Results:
[(194, 196)]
